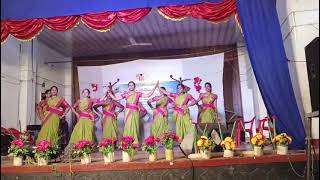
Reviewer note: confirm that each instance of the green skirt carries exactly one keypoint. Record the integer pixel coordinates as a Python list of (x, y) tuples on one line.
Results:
[(83, 130), (50, 130), (159, 126), (207, 116), (183, 124), (110, 129), (131, 126)]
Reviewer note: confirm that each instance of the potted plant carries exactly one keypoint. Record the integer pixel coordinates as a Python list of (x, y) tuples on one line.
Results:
[(126, 145), (106, 147), (205, 145), (43, 152), (168, 140), (282, 141), (258, 141), (18, 149), (83, 150), (150, 145), (229, 146)]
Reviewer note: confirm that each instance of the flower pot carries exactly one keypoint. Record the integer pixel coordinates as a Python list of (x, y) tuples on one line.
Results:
[(205, 154), (108, 158), (228, 153), (126, 157), (152, 157), (257, 151), (282, 150), (86, 159), (17, 161), (42, 162), (169, 154)]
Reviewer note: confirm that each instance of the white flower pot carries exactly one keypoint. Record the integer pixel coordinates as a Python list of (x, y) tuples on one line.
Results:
[(126, 157), (205, 154), (42, 162), (86, 159), (257, 151), (17, 160), (282, 150), (228, 153), (169, 154), (153, 157), (109, 157)]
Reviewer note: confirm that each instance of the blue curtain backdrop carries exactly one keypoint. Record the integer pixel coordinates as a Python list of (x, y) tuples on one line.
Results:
[(263, 38), (31, 9)]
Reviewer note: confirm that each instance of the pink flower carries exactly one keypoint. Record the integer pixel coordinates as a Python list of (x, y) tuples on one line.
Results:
[(82, 144), (43, 145), (106, 142), (18, 143)]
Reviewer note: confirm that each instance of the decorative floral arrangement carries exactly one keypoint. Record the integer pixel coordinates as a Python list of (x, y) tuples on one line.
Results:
[(228, 144), (18, 148), (259, 140), (204, 143), (126, 145), (82, 148), (45, 150), (168, 140), (106, 146), (282, 139), (150, 144)]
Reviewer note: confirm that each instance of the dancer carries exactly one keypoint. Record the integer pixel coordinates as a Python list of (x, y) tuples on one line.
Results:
[(132, 112), (181, 115), (109, 122), (208, 109), (160, 123), (84, 129), (42, 108), (57, 109), (208, 113)]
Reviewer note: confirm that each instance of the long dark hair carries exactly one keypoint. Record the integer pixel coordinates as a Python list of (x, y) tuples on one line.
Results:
[(44, 95)]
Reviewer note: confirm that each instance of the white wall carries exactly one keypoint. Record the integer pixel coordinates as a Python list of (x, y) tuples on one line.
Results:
[(299, 21), (22, 72), (10, 82), (252, 102)]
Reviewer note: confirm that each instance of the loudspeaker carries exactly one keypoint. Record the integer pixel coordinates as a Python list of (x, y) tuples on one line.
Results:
[(312, 57)]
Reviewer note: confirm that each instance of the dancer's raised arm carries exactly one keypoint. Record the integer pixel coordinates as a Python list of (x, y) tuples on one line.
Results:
[(115, 97), (151, 92), (164, 91)]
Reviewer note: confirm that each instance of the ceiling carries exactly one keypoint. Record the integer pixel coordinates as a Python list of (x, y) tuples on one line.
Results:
[(164, 34)]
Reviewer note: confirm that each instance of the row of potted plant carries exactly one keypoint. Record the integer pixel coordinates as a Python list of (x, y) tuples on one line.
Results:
[(43, 151), (107, 148)]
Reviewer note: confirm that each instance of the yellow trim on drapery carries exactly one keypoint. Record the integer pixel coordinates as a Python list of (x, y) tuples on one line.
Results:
[(99, 30), (238, 23), (170, 18), (30, 39)]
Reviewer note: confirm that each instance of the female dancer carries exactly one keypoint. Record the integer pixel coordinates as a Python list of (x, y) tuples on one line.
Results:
[(181, 115), (160, 123), (57, 109), (42, 108), (208, 109), (84, 129), (132, 112), (109, 118), (208, 112)]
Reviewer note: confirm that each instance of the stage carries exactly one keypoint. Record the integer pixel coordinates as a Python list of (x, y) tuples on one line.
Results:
[(243, 166)]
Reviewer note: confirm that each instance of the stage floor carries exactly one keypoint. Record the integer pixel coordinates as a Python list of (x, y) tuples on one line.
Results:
[(180, 168)]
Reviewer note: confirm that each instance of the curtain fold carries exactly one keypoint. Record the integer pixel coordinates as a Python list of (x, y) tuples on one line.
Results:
[(262, 33)]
